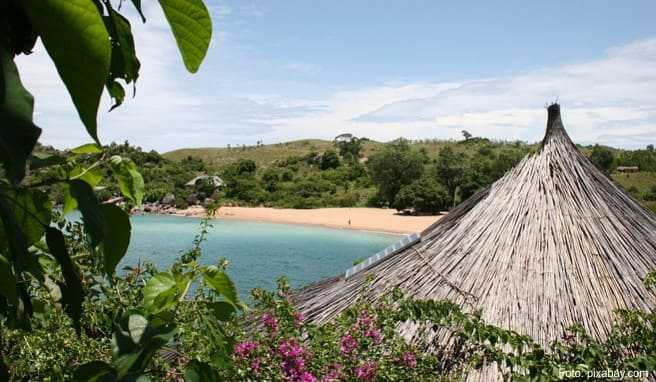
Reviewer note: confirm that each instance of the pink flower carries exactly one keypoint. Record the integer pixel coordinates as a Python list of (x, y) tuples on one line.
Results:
[(334, 374), (308, 377), (244, 349), (409, 360), (270, 321), (298, 319), (348, 344), (365, 320), (255, 366), (290, 349), (374, 334), (293, 363), (367, 371)]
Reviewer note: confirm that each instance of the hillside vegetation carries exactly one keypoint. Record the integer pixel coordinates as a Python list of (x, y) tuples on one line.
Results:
[(288, 174)]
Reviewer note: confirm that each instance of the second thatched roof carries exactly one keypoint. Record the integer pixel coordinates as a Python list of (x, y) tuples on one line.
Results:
[(552, 243)]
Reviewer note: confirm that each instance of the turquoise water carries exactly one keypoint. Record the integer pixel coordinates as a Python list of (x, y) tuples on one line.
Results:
[(259, 253)]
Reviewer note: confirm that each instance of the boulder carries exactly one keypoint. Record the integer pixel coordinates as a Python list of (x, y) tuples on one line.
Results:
[(168, 200)]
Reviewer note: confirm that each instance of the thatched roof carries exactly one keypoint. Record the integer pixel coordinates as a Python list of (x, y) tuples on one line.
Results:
[(552, 243)]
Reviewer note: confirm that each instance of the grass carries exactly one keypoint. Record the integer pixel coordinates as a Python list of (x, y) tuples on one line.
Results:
[(641, 181)]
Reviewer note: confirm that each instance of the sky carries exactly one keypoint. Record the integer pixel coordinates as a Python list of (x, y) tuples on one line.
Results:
[(285, 70)]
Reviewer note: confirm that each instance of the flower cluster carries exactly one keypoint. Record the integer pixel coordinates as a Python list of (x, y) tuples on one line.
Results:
[(244, 349), (366, 371), (293, 362), (357, 347)]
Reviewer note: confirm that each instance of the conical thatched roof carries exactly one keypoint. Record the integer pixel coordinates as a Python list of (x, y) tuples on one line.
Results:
[(552, 243)]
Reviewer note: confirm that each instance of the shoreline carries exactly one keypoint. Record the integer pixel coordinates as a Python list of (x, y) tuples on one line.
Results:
[(375, 220)]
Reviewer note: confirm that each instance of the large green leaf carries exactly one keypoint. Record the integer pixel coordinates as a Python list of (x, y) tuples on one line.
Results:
[(124, 64), (129, 179), (197, 371), (41, 160), (18, 134), (160, 292), (116, 236), (72, 292), (93, 371), (92, 175), (7, 280), (192, 27), (222, 284), (31, 214), (89, 148), (137, 325), (223, 310), (88, 205), (75, 37), (150, 334)]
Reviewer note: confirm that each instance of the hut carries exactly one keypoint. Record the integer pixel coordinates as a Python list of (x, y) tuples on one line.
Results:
[(627, 169), (216, 181), (552, 243)]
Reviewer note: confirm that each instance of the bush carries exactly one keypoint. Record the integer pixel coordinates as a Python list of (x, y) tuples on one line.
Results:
[(650, 195)]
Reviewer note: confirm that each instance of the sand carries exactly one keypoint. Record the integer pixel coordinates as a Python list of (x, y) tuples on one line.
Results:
[(366, 219)]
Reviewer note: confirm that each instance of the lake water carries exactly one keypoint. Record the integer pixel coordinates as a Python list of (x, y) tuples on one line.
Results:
[(259, 253)]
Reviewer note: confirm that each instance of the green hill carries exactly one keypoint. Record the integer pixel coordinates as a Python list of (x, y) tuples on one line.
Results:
[(264, 155)]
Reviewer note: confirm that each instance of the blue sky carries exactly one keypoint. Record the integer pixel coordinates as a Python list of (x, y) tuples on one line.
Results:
[(289, 69)]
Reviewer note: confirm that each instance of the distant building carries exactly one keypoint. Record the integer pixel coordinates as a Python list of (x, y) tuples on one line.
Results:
[(216, 181), (344, 138), (628, 169)]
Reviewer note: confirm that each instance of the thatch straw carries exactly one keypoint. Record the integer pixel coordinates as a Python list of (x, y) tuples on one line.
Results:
[(552, 243)]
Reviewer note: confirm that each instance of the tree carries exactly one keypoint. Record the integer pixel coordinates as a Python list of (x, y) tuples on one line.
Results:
[(466, 134), (603, 158), (424, 195), (349, 146), (328, 160), (395, 166), (450, 169)]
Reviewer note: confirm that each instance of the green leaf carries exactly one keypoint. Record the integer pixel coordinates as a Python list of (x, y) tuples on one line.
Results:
[(131, 358), (89, 148), (137, 326), (31, 210), (39, 160), (117, 93), (18, 134), (70, 203), (124, 64), (160, 292), (93, 371), (197, 371), (116, 236), (7, 280), (72, 292), (90, 209), (129, 179), (221, 284), (192, 27), (91, 175), (223, 310), (75, 37)]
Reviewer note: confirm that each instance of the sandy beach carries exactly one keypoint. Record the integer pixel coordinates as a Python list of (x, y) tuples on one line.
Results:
[(367, 219)]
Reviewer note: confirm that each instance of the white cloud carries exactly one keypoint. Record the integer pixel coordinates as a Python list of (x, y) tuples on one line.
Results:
[(602, 100), (611, 100)]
